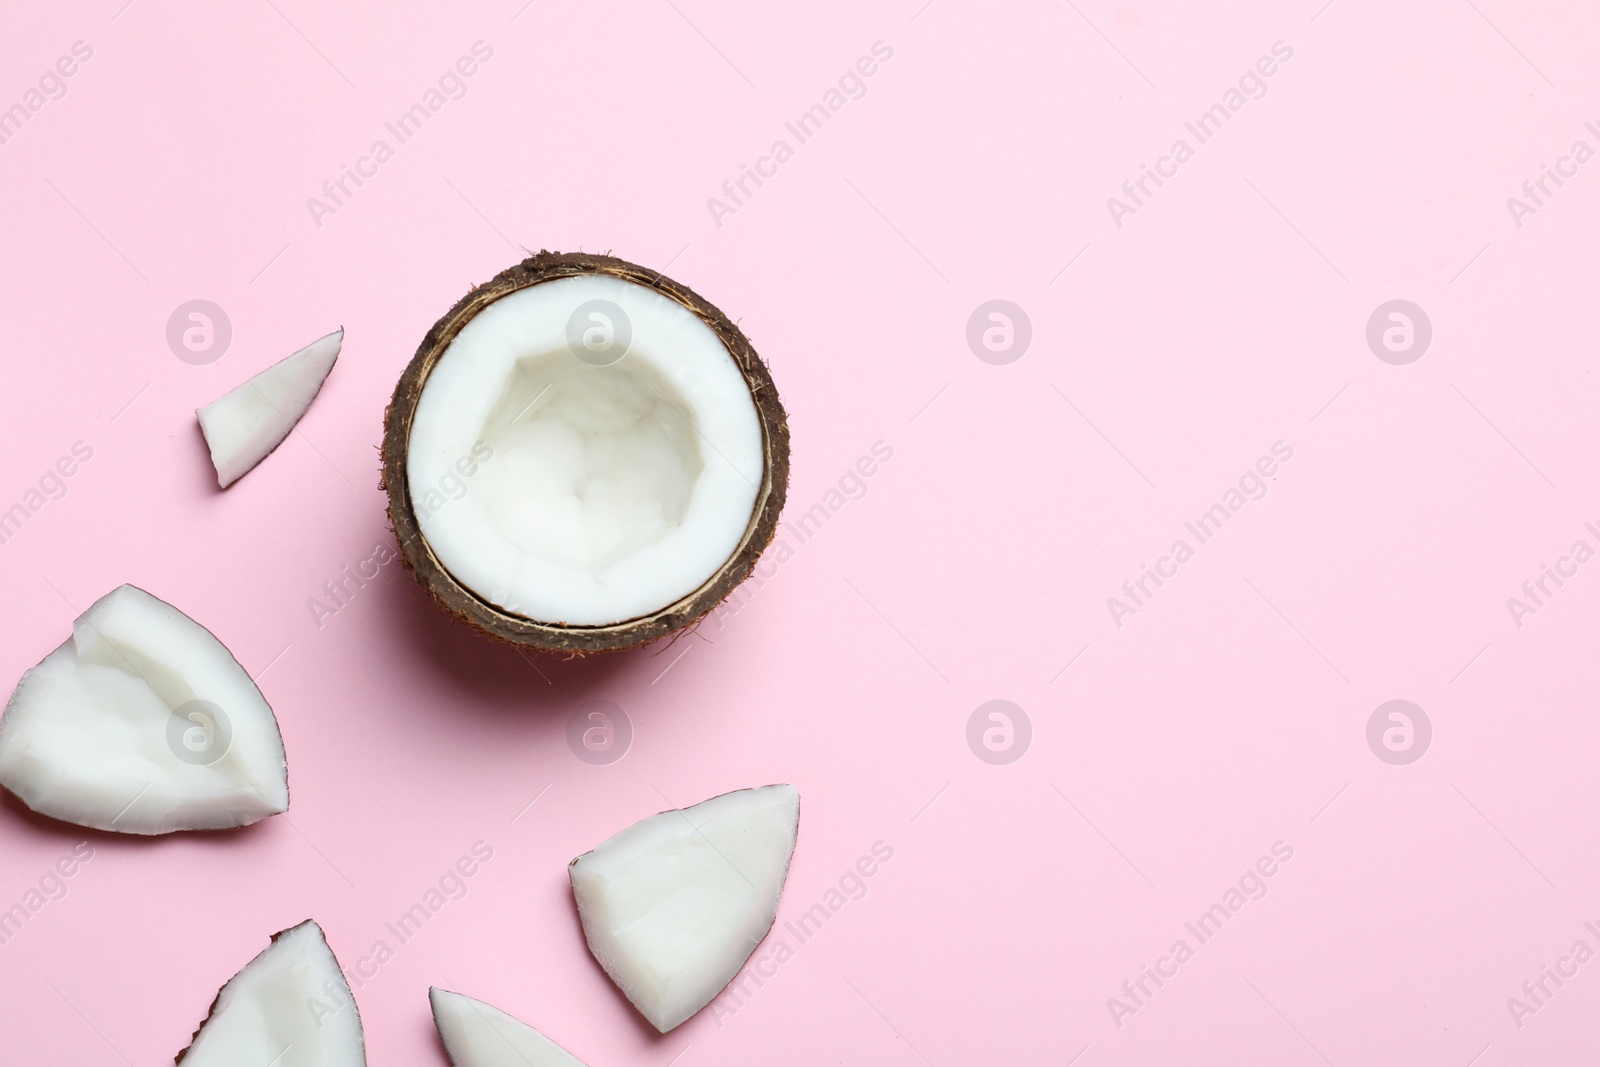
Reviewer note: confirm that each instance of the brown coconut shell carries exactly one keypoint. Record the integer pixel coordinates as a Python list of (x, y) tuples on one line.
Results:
[(553, 635)]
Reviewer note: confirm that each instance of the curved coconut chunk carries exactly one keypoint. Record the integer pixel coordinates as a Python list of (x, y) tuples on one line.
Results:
[(674, 905), (289, 1007), (585, 485), (244, 426), (476, 1034), (143, 723)]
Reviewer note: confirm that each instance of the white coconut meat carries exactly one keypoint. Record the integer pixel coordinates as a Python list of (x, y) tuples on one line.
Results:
[(674, 905), (585, 452), (476, 1034), (142, 722), (289, 1007), (244, 426)]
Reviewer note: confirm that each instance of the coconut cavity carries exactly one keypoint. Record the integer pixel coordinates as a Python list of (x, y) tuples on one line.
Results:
[(599, 462), (584, 444)]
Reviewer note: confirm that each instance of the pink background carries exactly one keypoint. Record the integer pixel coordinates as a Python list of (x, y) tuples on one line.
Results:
[(1227, 314)]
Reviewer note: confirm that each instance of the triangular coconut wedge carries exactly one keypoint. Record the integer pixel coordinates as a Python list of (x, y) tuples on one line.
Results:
[(673, 905), (243, 427), (142, 722), (289, 1007), (476, 1034)]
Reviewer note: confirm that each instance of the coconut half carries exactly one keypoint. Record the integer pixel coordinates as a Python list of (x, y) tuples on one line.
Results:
[(244, 426), (142, 722), (674, 905), (476, 1034), (584, 455), (289, 1007)]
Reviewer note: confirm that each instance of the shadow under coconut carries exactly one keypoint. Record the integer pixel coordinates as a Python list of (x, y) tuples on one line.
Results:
[(496, 677), (426, 1023)]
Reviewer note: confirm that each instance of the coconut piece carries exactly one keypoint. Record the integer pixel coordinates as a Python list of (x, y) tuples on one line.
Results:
[(244, 426), (674, 905), (584, 455), (289, 1007), (476, 1034), (142, 722)]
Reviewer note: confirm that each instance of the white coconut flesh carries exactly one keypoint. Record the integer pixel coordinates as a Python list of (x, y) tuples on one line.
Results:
[(244, 426), (476, 1034), (674, 905), (142, 722), (289, 1007), (585, 485)]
